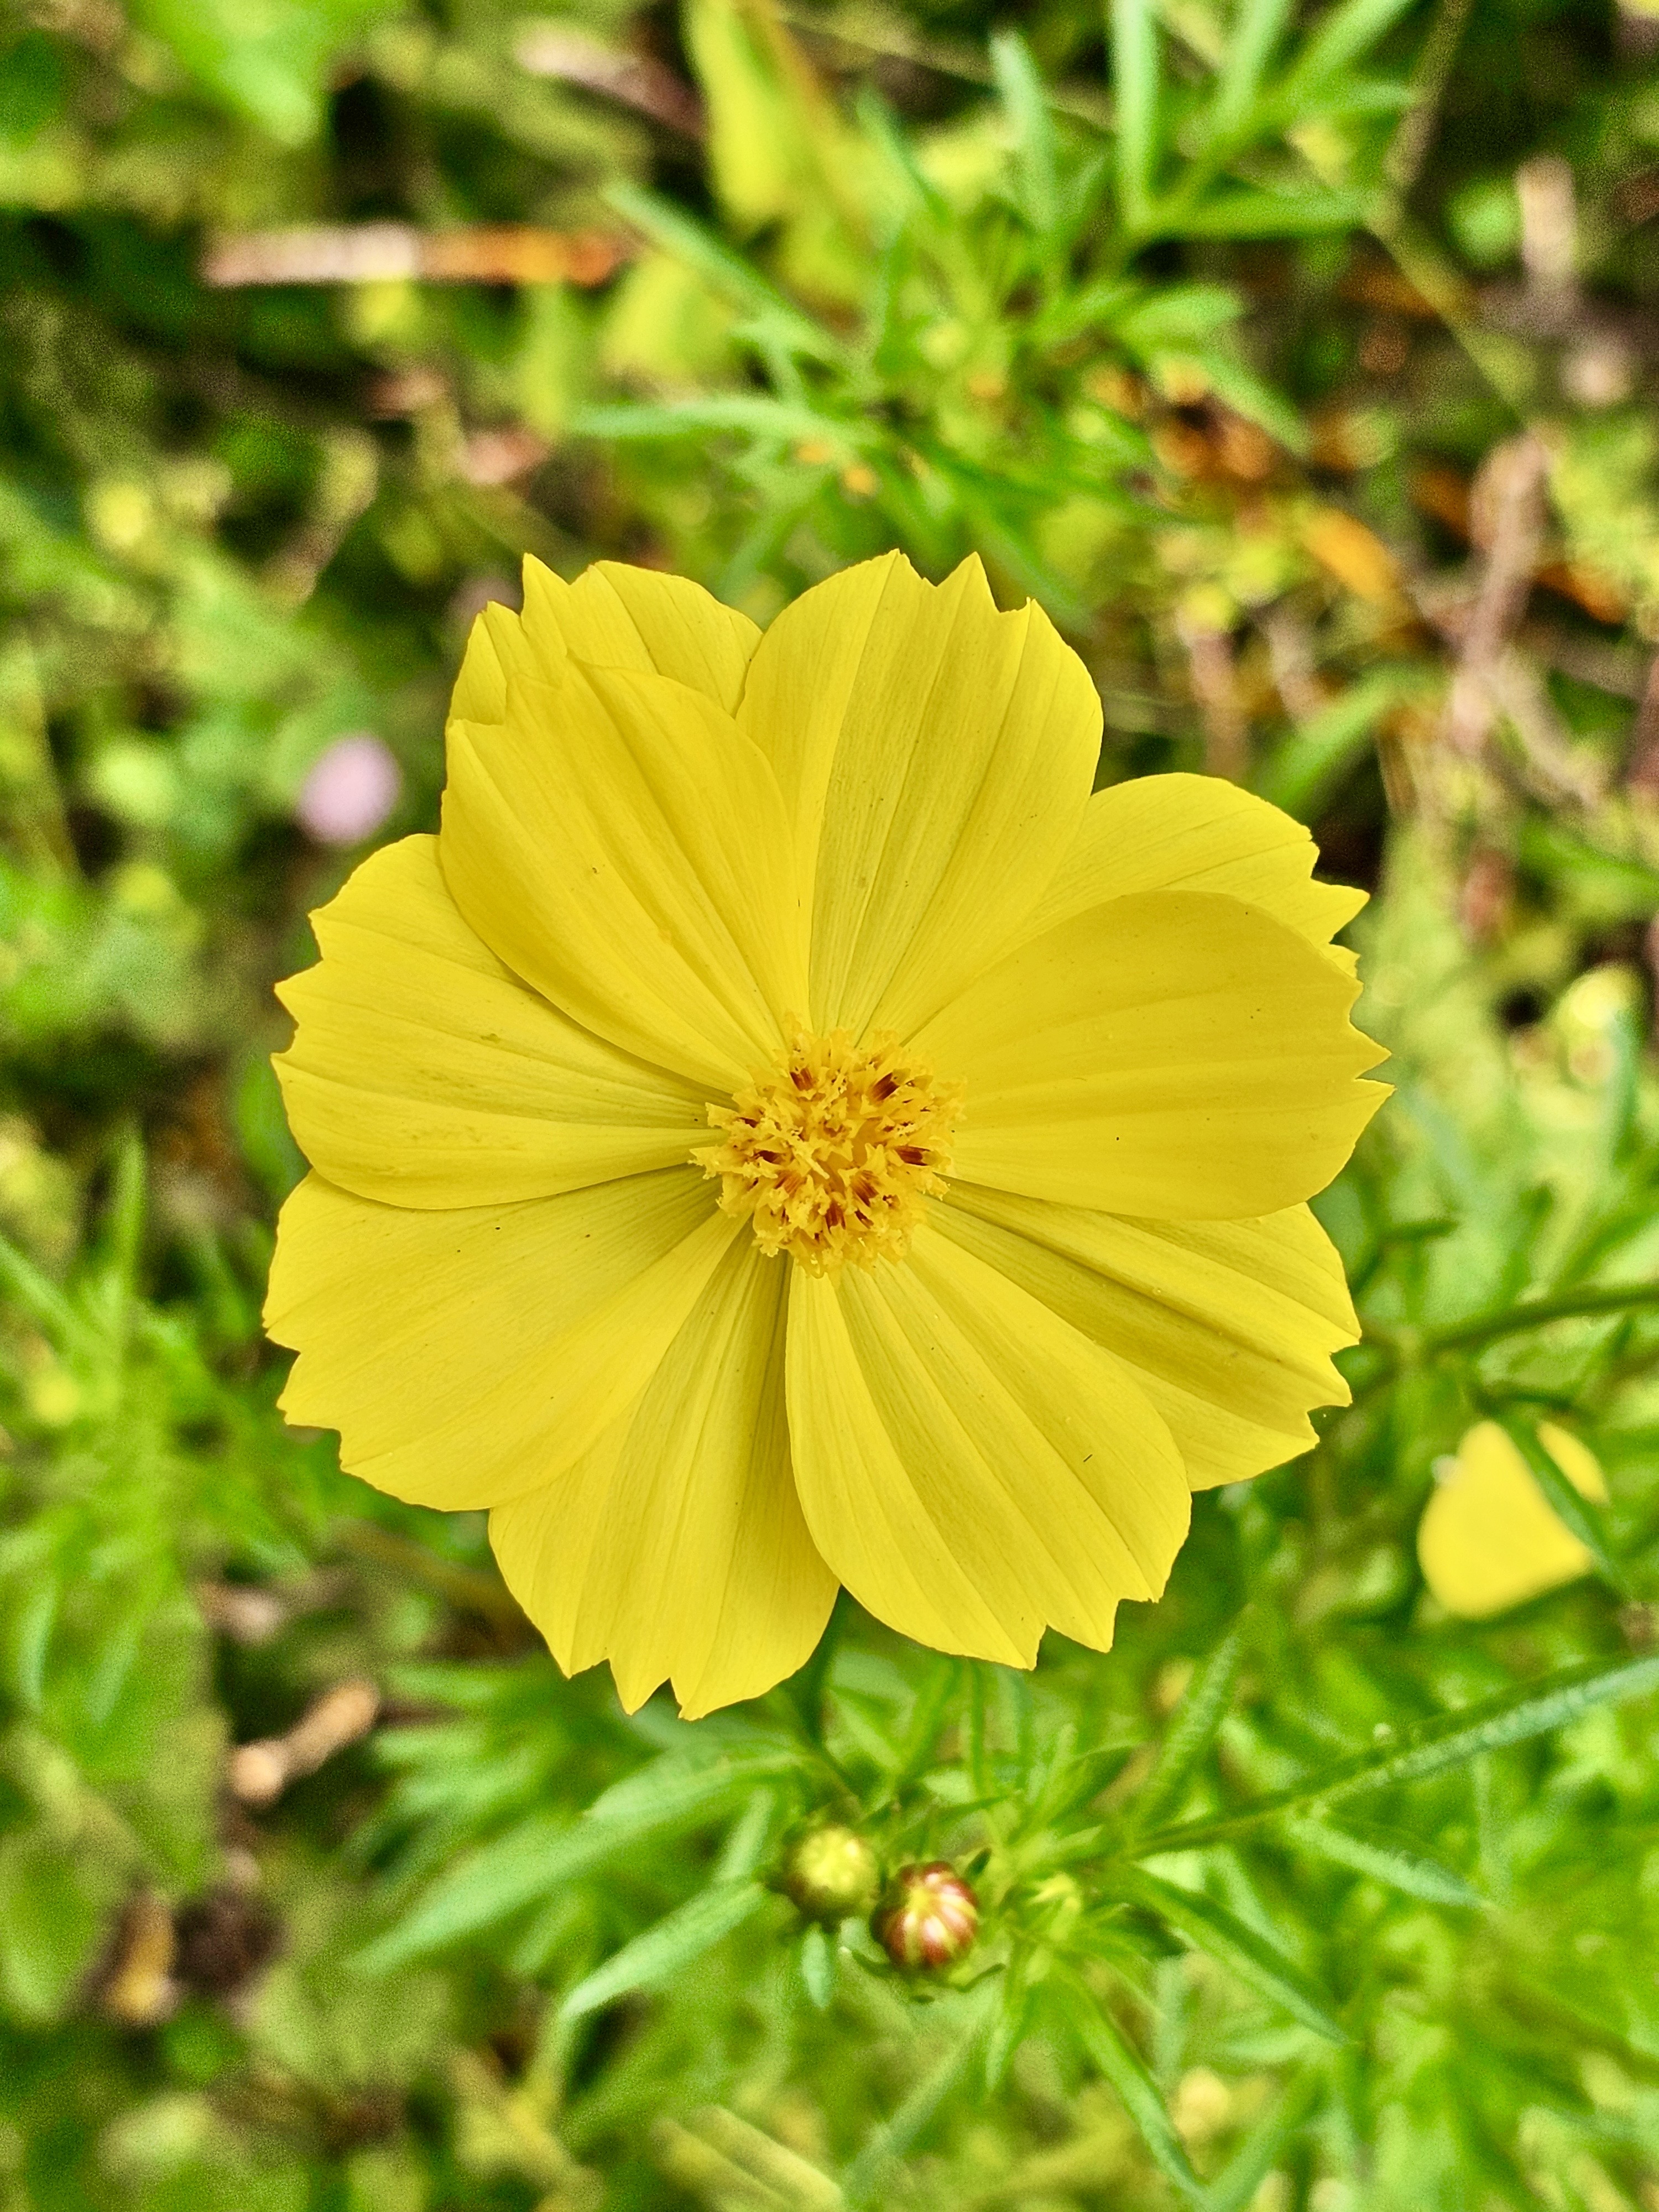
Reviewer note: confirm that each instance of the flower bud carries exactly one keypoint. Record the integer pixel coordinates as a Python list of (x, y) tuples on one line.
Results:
[(831, 1873), (929, 1918)]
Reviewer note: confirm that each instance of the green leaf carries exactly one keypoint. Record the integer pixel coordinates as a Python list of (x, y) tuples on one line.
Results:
[(1448, 1739), (269, 63), (1386, 1858), (1258, 30), (817, 1966), (1345, 34), (1135, 71), (1257, 1963), (1575, 1513), (1306, 765), (1247, 395), (1122, 2067), (54, 1908), (786, 420), (927, 1716), (893, 2137), (526, 1864), (728, 273), (1192, 1729), (1256, 214), (1025, 102), (662, 1950), (1237, 2184), (1181, 315)]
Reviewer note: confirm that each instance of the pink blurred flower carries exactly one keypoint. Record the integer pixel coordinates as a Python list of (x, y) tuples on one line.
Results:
[(350, 790)]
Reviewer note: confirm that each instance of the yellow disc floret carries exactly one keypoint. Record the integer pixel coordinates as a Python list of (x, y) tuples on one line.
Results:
[(831, 1150)]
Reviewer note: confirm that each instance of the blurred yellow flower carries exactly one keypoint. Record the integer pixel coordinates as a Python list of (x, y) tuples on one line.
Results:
[(1489, 1538), (784, 1131)]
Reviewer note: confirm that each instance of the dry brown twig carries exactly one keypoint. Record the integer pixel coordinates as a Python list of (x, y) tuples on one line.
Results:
[(563, 51), (259, 1773), (1215, 687), (1506, 519), (1641, 774), (380, 252)]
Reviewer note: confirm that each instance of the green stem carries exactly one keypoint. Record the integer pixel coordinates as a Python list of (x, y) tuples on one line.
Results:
[(1578, 1305)]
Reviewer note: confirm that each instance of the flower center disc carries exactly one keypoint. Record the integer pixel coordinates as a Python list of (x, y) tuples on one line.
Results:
[(831, 1151)]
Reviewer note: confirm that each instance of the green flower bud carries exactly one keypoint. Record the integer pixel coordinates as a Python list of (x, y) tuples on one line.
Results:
[(831, 1873), (929, 1918)]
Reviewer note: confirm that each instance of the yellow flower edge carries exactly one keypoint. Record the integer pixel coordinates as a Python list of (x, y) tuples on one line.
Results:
[(786, 1132), (1489, 1539)]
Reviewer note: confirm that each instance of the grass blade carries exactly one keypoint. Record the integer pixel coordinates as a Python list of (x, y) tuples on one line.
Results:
[(1258, 1964), (1122, 2066), (696, 1927), (1274, 215), (1345, 34), (1235, 2185), (1386, 1859), (676, 233), (1135, 69), (525, 1863), (1576, 1512), (782, 419), (1192, 1729), (1260, 27), (1025, 102), (1448, 1739), (890, 2141)]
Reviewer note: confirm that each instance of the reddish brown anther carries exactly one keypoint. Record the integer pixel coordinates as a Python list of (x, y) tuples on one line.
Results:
[(929, 1918)]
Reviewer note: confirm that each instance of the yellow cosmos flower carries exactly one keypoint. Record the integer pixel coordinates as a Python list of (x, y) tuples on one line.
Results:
[(1489, 1539), (784, 1132)]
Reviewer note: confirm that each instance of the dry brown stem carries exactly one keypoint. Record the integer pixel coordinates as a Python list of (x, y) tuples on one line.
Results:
[(259, 1773), (1506, 519), (375, 253), (1215, 687)]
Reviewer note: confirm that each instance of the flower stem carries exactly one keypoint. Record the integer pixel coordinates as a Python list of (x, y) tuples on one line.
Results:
[(1486, 1328)]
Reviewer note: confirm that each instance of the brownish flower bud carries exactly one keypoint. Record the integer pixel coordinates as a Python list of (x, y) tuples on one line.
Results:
[(929, 1918), (831, 1873)]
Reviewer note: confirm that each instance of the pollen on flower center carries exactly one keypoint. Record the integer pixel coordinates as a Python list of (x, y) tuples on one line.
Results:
[(831, 1150)]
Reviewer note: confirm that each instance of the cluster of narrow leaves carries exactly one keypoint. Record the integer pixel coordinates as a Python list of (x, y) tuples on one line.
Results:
[(956, 366), (1306, 1895), (1245, 1886)]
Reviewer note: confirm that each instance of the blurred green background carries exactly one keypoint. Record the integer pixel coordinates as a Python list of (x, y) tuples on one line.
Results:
[(1300, 360)]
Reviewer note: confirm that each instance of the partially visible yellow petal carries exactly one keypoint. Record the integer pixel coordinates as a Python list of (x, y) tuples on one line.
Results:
[(1174, 1055), (675, 1547), (936, 756), (614, 617), (621, 846), (466, 1357), (1195, 833), (1227, 1326), (971, 1466), (1489, 1538), (424, 1073)]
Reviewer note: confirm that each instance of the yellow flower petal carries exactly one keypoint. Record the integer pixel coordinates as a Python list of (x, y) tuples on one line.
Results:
[(1175, 1054), (466, 1357), (1195, 833), (936, 756), (624, 847), (424, 1073), (1227, 1326), (970, 1466), (675, 1547), (1489, 1538), (614, 617)]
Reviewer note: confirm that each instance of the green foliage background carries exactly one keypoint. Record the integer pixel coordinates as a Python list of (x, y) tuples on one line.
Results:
[(1197, 321)]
